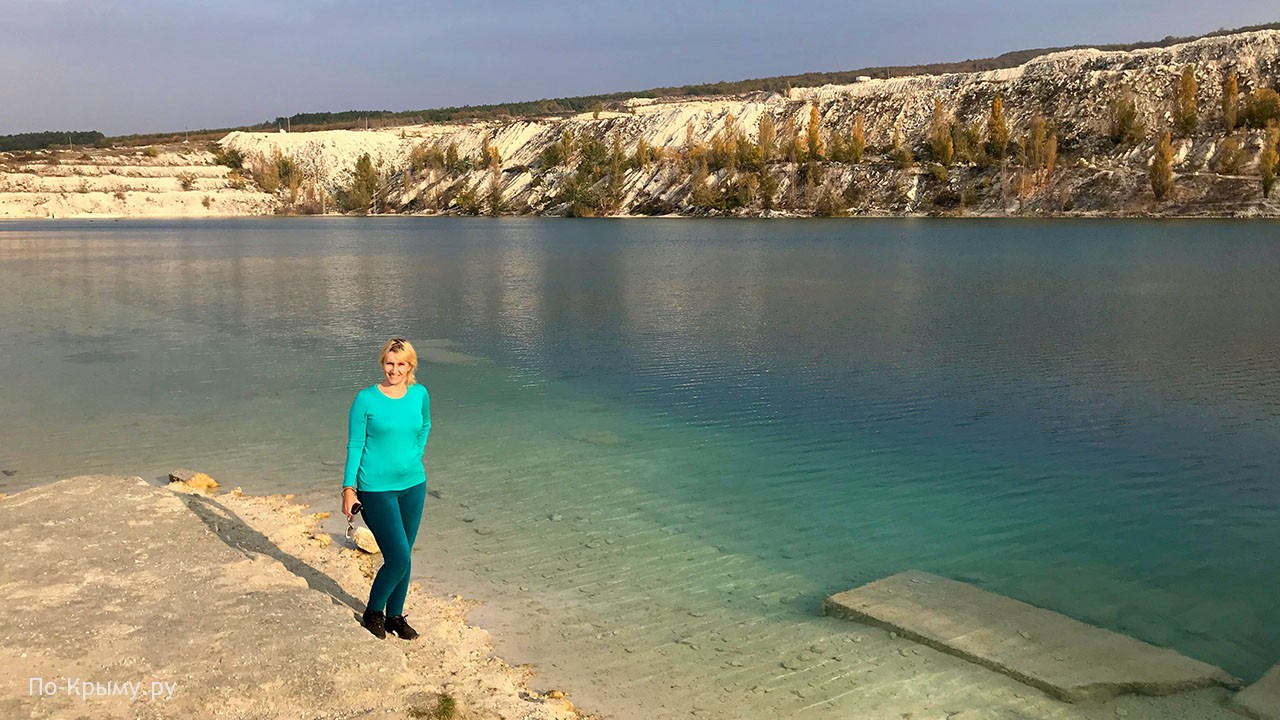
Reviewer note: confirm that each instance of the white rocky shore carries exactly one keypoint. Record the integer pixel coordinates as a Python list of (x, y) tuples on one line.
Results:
[(127, 600)]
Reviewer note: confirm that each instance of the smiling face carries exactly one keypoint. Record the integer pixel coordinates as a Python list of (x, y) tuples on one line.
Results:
[(396, 367), (398, 361)]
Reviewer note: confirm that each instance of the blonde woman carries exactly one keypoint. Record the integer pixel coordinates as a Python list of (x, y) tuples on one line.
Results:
[(387, 435)]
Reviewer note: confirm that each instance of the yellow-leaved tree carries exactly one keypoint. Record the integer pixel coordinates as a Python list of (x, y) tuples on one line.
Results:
[(1185, 106), (997, 130), (941, 145), (857, 140), (766, 138), (1269, 158), (1230, 102), (1161, 172), (815, 133)]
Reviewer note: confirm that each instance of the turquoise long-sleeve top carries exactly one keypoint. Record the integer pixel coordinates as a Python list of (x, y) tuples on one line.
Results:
[(386, 438)]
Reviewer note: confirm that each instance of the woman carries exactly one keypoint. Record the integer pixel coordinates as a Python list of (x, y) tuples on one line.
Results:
[(388, 430)]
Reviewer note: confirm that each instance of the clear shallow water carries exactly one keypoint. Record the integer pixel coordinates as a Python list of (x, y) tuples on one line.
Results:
[(667, 441)]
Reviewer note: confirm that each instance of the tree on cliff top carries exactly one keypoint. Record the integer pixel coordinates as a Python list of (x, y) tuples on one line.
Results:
[(1161, 172)]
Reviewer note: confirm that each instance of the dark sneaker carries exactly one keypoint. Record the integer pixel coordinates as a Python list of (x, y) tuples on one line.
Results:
[(376, 622), (398, 626)]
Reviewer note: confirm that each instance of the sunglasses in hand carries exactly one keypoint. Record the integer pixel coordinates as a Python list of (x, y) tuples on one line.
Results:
[(351, 525)]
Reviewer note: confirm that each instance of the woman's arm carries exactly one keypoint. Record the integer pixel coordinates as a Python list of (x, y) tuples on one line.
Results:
[(426, 421), (357, 426), (349, 501)]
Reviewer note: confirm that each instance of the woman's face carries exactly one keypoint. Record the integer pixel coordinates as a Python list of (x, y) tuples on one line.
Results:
[(396, 368)]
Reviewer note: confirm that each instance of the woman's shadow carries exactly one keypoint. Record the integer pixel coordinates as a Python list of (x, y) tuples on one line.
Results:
[(237, 534)]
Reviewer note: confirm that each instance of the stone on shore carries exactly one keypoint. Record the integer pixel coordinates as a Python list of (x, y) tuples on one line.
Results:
[(189, 481), (364, 540), (1261, 700), (1066, 659)]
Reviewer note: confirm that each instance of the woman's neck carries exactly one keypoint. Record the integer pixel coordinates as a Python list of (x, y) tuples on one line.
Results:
[(393, 391)]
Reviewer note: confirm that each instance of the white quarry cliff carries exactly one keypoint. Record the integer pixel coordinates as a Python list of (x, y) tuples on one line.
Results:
[(1073, 91)]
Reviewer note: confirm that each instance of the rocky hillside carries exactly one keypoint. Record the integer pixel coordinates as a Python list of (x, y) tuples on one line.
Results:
[(157, 181), (1082, 127)]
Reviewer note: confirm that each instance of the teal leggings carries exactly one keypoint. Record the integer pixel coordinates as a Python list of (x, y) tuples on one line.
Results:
[(393, 516)]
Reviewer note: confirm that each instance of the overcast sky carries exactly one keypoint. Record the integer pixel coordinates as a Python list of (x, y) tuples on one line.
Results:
[(133, 66)]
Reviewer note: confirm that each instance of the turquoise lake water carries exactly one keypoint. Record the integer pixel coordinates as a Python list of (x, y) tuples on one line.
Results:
[(668, 440)]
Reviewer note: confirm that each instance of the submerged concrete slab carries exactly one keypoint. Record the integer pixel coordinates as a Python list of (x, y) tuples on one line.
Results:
[(1260, 700), (1065, 658)]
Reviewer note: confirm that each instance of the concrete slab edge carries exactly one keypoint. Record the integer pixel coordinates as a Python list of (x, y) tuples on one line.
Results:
[(1247, 711), (1261, 700), (1094, 692)]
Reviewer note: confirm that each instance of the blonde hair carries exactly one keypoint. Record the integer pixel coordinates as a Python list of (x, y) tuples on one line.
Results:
[(402, 346)]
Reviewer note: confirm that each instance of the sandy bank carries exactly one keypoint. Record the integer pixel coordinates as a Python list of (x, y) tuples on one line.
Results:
[(128, 600)]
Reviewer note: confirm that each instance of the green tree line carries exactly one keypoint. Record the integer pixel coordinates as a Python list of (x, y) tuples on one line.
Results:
[(48, 139)]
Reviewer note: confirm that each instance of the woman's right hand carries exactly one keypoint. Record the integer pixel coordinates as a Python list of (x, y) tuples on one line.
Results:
[(349, 501)]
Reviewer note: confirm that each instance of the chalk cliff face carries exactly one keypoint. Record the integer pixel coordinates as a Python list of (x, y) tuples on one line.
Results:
[(1073, 91), (171, 181)]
